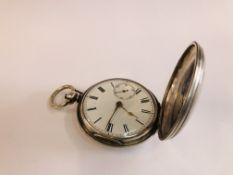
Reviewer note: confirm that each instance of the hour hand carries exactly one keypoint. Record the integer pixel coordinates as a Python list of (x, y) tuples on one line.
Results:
[(130, 113)]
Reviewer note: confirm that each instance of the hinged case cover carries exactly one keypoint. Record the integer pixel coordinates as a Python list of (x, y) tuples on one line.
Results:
[(181, 91)]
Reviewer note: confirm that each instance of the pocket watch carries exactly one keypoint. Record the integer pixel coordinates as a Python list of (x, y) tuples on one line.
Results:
[(122, 112)]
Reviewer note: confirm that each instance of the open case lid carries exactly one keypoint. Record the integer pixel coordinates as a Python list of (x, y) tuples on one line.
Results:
[(181, 92)]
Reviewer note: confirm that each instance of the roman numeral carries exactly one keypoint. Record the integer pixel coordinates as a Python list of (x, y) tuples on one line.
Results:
[(139, 122), (138, 91), (93, 97), (97, 120), (101, 89), (126, 128), (89, 109), (145, 100), (145, 111), (109, 127)]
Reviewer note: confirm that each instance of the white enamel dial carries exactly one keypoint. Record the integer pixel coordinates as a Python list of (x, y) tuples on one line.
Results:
[(119, 108)]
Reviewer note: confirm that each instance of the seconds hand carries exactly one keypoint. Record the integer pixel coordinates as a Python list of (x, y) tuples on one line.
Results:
[(123, 91)]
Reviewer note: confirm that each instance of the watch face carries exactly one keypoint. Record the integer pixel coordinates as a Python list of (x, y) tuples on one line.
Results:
[(119, 108)]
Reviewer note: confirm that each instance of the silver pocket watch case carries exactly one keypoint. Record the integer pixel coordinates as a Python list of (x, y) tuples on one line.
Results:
[(170, 115)]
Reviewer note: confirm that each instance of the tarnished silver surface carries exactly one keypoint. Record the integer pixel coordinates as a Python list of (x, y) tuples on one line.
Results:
[(181, 92)]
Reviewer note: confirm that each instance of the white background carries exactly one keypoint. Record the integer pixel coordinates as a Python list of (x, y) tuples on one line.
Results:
[(44, 44)]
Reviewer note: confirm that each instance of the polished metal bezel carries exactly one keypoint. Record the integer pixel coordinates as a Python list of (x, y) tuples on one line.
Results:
[(112, 140)]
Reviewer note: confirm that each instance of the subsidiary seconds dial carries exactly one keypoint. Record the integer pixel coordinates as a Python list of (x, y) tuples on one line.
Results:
[(124, 91), (119, 108)]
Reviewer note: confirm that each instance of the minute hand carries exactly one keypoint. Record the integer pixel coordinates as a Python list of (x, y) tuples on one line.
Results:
[(118, 104)]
